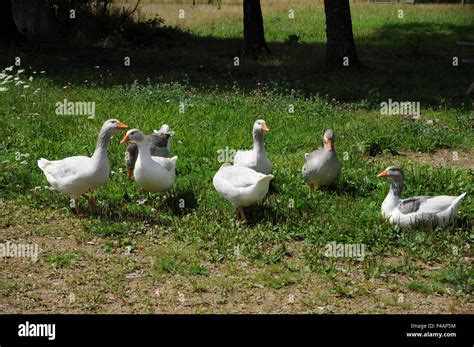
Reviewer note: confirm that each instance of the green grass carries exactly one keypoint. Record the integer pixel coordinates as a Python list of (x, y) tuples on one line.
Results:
[(183, 262), (62, 260), (276, 277), (221, 104)]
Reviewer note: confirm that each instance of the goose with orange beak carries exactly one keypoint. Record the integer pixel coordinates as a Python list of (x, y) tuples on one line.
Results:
[(79, 175), (432, 210), (154, 174), (159, 147), (322, 167), (256, 158)]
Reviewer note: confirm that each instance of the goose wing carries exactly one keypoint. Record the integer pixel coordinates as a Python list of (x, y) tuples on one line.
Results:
[(168, 164), (65, 168), (314, 155), (426, 204), (240, 176)]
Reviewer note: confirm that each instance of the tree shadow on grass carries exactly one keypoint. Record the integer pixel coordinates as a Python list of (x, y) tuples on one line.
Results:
[(405, 61)]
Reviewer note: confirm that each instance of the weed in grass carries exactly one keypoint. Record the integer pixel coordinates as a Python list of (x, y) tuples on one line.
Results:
[(276, 277), (459, 277), (182, 262), (426, 287), (59, 261)]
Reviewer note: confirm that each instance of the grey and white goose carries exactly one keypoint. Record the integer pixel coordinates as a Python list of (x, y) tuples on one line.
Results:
[(322, 167), (256, 158), (437, 210), (159, 147)]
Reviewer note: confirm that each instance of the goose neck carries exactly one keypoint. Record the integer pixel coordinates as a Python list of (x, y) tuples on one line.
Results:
[(258, 143), (102, 144), (396, 187), (144, 151)]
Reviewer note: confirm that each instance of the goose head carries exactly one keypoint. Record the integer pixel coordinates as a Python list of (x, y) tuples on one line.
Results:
[(112, 126), (260, 126), (134, 136), (392, 172), (396, 176), (329, 138)]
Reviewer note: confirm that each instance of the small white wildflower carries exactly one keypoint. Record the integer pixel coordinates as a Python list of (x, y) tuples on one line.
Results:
[(30, 79), (3, 89), (10, 68), (20, 71), (27, 86), (42, 71)]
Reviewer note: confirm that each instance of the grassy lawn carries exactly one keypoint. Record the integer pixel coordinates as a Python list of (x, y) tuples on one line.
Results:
[(200, 258)]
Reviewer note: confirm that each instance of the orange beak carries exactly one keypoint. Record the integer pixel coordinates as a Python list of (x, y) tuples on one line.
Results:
[(265, 128), (125, 139), (129, 174), (330, 144), (121, 126), (383, 174)]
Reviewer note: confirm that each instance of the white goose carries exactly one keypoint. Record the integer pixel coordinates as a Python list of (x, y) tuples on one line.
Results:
[(256, 158), (153, 174), (76, 176), (437, 210), (159, 147), (241, 186), (321, 167)]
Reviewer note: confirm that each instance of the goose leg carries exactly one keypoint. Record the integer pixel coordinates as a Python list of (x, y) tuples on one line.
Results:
[(92, 204), (310, 191), (242, 213), (77, 208)]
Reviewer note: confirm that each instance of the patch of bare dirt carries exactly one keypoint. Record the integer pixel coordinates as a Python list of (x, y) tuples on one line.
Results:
[(445, 157)]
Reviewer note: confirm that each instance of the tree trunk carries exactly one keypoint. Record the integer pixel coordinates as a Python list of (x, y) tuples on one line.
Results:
[(254, 36), (340, 48)]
